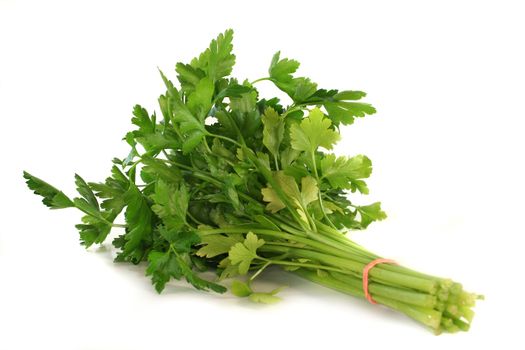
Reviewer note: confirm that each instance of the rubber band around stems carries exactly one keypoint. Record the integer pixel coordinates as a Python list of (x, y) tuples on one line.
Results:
[(366, 271)]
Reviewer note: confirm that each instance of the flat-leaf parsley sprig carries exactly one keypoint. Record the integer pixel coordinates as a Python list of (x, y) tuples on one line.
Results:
[(227, 181)]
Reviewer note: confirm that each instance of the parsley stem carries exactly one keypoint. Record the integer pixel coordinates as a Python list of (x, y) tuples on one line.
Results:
[(193, 218), (225, 138), (426, 316), (424, 285), (308, 265), (260, 79), (258, 272), (119, 225), (207, 146), (269, 177)]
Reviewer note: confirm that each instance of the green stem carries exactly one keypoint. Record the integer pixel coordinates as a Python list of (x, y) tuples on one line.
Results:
[(277, 234), (377, 289), (429, 317), (258, 272), (119, 225), (194, 219), (269, 177), (319, 197), (376, 274), (225, 138), (304, 265), (260, 79), (336, 258)]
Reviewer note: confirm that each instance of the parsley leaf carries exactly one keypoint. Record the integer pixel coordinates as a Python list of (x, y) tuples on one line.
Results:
[(188, 76), (138, 218), (171, 204), (200, 100), (162, 267), (112, 190), (281, 70), (149, 135), (242, 254), (53, 198), (370, 213), (243, 290), (86, 192), (313, 132), (213, 245), (95, 229), (217, 61), (273, 131), (345, 173), (190, 126)]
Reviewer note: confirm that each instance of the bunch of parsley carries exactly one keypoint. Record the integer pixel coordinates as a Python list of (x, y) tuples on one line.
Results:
[(231, 182)]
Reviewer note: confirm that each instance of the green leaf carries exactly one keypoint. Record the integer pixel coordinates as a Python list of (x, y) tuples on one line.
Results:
[(314, 131), (230, 191), (309, 190), (245, 116), (273, 131), (190, 126), (274, 202), (138, 218), (95, 230), (188, 76), (264, 298), (242, 254), (370, 213), (198, 282), (233, 90), (345, 112), (193, 140), (181, 241), (112, 190), (339, 110), (200, 101), (282, 70), (299, 89), (86, 192), (171, 204), (148, 135), (344, 173), (244, 290), (160, 170), (214, 245), (252, 242), (161, 267), (142, 120), (288, 185), (217, 61), (288, 156), (349, 95), (244, 103), (240, 289), (300, 198), (86, 207), (53, 198)]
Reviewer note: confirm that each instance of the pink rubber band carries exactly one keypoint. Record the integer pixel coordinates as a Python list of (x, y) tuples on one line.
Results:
[(366, 270)]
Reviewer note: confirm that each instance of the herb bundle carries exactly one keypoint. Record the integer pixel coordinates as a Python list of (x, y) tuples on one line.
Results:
[(234, 183)]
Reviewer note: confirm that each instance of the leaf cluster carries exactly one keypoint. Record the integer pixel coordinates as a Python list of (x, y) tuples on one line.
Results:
[(222, 177)]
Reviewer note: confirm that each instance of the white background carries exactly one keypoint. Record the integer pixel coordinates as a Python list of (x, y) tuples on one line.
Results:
[(447, 144)]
